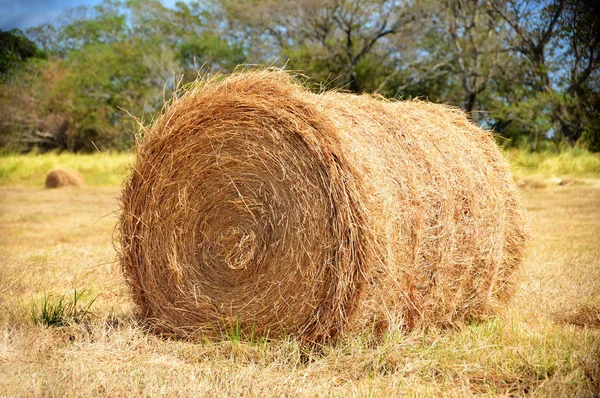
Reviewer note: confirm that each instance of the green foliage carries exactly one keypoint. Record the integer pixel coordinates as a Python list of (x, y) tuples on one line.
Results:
[(103, 80), (590, 115), (591, 133), (529, 71), (15, 48), (106, 65), (60, 310), (108, 27), (316, 63), (523, 121), (210, 50)]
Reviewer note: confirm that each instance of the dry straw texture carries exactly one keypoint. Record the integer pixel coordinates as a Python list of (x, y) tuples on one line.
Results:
[(61, 178), (256, 203)]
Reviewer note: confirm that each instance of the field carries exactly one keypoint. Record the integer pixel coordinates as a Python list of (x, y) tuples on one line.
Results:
[(57, 245)]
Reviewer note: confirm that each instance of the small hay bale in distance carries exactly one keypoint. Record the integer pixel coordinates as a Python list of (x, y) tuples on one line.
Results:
[(256, 203), (64, 178)]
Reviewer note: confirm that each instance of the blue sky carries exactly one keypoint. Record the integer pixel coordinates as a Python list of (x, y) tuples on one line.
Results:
[(24, 14)]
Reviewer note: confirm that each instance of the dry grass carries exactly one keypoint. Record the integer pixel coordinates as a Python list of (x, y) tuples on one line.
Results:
[(55, 241), (256, 203)]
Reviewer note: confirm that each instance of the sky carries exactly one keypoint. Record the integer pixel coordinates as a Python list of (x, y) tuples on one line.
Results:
[(25, 14)]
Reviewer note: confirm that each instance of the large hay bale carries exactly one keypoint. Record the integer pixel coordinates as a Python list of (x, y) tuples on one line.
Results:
[(62, 178), (257, 203)]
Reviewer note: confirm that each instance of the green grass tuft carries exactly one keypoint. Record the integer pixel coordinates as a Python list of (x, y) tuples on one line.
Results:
[(58, 310)]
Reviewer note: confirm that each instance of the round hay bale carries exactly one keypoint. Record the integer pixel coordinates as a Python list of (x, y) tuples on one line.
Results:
[(61, 178), (256, 203)]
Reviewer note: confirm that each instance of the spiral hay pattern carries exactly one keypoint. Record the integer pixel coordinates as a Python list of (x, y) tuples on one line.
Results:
[(257, 203)]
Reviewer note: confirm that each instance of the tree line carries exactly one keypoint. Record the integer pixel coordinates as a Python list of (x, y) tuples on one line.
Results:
[(526, 69)]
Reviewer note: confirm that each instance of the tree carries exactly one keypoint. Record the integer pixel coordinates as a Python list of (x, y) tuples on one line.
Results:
[(326, 39), (526, 68), (561, 42), (478, 53), (107, 62), (15, 48)]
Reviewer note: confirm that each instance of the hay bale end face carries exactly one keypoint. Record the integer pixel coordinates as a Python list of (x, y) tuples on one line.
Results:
[(63, 178), (257, 203)]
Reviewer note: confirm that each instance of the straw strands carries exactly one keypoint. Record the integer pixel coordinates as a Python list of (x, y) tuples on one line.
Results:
[(257, 203)]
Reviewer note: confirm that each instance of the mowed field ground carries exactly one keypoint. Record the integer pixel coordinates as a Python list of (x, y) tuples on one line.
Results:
[(53, 242)]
